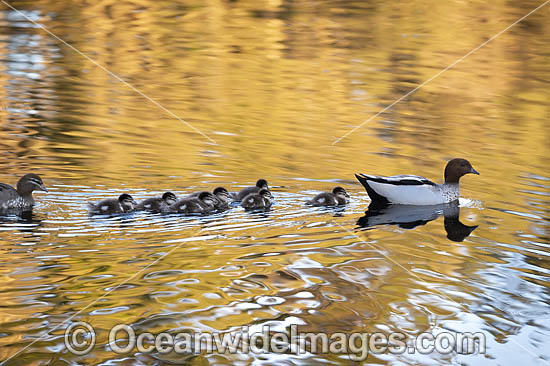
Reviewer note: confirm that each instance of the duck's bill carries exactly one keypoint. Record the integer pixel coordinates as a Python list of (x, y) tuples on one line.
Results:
[(473, 171), (43, 188)]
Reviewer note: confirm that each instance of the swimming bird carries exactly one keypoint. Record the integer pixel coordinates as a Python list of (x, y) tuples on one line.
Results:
[(261, 183), (223, 196), (415, 190), (124, 203), (337, 197), (20, 198), (205, 203), (157, 204), (258, 201)]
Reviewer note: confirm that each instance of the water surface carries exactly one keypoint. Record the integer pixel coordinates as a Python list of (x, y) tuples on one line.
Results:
[(274, 84)]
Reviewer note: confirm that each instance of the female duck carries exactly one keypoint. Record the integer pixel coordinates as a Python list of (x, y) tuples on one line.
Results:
[(20, 198), (415, 190), (258, 201), (205, 203), (337, 197), (124, 203), (157, 204), (260, 184)]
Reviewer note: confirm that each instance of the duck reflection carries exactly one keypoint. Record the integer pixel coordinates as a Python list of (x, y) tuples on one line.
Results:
[(410, 216), (17, 215)]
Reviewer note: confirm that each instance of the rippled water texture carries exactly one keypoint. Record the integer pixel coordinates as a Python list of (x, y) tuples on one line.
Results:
[(274, 84)]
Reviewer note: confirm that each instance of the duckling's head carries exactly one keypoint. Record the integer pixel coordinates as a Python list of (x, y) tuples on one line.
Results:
[(456, 168), (262, 183), (222, 194), (265, 193), (209, 198), (339, 191), (169, 198), (30, 182), (127, 202)]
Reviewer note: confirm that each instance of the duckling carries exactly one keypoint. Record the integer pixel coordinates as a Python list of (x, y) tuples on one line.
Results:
[(337, 197), (261, 183), (157, 204), (224, 199), (258, 201), (21, 196), (205, 203), (124, 203)]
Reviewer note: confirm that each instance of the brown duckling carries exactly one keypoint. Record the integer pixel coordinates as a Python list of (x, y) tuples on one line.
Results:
[(21, 196), (157, 204), (205, 203), (124, 203), (223, 196), (260, 184), (258, 201), (337, 197)]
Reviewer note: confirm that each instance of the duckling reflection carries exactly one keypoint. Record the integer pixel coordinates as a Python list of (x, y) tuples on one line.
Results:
[(409, 217)]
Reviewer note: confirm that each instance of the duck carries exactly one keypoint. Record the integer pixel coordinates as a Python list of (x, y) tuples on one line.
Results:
[(258, 201), (20, 198), (337, 197), (123, 204), (204, 203), (260, 184), (415, 190), (157, 204), (222, 194)]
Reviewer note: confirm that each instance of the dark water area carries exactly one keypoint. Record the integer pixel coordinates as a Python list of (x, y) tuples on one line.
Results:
[(272, 85)]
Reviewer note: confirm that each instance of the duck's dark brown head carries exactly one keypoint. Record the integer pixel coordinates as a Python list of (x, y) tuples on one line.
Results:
[(340, 191), (222, 194), (170, 198), (127, 202), (265, 193), (262, 183), (30, 182), (456, 168)]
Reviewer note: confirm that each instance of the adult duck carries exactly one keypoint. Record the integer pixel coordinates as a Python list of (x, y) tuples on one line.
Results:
[(415, 190), (20, 197)]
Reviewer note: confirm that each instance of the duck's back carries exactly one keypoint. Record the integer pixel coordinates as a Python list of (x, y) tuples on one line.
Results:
[(10, 198), (255, 201), (7, 193), (245, 192), (151, 204), (105, 207), (324, 199), (187, 206), (407, 190)]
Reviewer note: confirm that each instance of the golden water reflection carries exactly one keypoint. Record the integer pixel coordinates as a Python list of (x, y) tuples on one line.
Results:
[(274, 83)]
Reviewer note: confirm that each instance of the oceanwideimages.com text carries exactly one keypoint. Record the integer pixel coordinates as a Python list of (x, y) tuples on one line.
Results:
[(80, 339)]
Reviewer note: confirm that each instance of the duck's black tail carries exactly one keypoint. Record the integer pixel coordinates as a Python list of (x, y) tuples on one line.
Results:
[(375, 197)]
